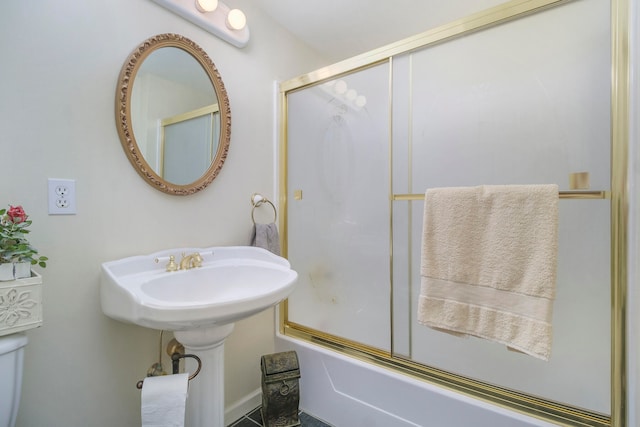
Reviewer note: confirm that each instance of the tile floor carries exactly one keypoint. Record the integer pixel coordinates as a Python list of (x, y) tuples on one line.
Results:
[(254, 419)]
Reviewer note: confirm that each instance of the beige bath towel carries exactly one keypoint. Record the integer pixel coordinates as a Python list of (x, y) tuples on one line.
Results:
[(489, 263)]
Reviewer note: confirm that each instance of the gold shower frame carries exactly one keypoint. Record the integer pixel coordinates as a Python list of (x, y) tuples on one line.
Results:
[(620, 73)]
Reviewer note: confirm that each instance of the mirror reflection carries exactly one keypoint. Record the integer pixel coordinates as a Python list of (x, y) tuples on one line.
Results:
[(188, 143), (175, 123), (174, 112)]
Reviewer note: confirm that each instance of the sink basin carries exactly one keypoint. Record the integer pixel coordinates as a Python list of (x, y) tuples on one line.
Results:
[(200, 305), (233, 283)]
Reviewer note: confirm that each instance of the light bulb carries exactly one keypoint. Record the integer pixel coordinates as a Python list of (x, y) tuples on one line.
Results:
[(351, 94), (205, 6), (360, 101), (236, 20)]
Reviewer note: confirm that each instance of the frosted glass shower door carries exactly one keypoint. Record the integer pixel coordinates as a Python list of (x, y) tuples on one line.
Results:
[(511, 106), (526, 100), (188, 148), (338, 206)]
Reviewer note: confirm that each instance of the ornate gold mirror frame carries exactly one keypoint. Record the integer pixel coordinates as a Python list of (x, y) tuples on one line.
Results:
[(124, 120)]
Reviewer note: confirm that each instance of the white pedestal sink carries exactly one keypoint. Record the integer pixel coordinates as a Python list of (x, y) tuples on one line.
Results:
[(206, 407), (200, 305)]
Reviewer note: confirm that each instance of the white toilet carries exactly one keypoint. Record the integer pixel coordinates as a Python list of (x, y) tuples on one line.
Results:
[(11, 357)]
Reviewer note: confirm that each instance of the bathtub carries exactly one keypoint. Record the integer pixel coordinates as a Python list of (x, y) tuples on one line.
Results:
[(346, 391)]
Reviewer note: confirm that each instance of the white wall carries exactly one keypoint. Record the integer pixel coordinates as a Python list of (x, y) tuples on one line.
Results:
[(60, 63)]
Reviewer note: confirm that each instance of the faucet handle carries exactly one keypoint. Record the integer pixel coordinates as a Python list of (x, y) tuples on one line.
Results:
[(171, 265)]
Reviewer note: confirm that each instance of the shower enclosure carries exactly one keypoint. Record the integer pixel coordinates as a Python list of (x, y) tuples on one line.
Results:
[(518, 94)]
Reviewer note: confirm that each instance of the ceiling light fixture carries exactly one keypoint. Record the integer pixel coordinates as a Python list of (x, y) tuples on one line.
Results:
[(213, 16), (236, 19), (205, 6)]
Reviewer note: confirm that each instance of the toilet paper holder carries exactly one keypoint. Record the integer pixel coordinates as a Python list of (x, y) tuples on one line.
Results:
[(175, 366)]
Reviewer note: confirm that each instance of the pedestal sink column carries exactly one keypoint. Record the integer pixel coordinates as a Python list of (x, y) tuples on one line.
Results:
[(205, 404)]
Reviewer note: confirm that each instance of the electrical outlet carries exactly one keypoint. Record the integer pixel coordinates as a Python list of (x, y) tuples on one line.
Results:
[(62, 196)]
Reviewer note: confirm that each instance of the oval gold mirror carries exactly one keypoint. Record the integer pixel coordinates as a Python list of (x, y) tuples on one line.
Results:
[(173, 115)]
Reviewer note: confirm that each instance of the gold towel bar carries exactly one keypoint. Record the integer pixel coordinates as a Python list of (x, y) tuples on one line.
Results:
[(561, 194)]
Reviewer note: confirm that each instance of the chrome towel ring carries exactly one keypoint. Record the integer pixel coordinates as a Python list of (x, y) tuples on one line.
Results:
[(257, 200)]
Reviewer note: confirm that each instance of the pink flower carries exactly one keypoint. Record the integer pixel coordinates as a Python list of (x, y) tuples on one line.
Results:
[(16, 214)]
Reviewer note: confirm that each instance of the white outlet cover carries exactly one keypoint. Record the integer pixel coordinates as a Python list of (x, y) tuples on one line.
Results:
[(62, 196)]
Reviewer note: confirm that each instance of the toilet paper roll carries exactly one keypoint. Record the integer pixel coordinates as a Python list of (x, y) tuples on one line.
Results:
[(164, 400)]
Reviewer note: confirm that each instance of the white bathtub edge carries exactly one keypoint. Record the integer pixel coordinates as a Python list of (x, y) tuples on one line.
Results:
[(346, 391)]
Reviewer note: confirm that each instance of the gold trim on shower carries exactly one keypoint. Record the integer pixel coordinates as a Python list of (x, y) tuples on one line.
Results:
[(561, 194), (390, 167), (508, 11), (561, 414), (530, 405), (620, 86), (283, 307)]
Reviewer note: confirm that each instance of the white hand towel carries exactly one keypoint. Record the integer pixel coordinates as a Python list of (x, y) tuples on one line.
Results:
[(266, 236), (164, 400), (489, 257)]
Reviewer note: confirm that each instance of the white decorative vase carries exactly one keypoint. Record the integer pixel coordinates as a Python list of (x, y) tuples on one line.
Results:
[(20, 304)]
